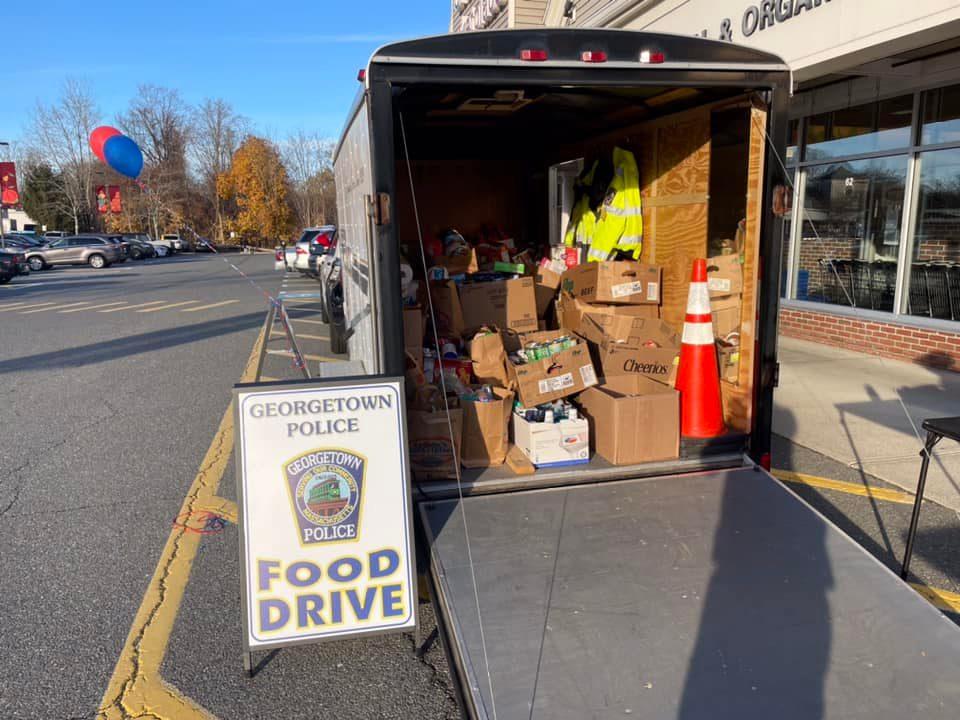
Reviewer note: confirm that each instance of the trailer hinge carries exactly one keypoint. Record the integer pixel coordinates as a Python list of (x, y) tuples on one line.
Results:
[(776, 375), (379, 208)]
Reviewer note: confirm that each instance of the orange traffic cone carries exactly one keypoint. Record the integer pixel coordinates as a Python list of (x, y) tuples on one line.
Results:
[(698, 378)]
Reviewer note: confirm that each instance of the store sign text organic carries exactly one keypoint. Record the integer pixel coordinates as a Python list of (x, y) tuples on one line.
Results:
[(767, 14)]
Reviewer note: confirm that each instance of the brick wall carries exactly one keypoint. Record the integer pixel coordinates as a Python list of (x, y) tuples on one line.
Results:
[(886, 339)]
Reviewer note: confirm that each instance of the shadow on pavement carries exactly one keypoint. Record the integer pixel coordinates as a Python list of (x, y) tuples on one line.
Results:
[(132, 345)]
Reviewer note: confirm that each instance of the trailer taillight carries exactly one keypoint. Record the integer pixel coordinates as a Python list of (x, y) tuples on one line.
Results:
[(593, 56), (533, 55), (361, 75), (652, 58), (765, 461)]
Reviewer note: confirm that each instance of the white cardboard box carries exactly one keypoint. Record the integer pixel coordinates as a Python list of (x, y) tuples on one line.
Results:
[(550, 444)]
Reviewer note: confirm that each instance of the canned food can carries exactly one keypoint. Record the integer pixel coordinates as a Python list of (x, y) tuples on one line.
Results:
[(534, 352), (557, 346)]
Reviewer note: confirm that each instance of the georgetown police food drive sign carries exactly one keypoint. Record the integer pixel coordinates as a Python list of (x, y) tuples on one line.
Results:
[(323, 491)]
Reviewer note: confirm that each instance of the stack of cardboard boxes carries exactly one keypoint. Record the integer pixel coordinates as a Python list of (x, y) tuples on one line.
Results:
[(725, 281), (554, 363)]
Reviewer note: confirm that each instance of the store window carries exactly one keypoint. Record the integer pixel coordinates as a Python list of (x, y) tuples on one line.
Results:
[(934, 282), (874, 127), (941, 116), (850, 235), (793, 141), (786, 230)]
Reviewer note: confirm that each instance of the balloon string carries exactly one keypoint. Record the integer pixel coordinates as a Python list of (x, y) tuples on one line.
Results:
[(298, 361)]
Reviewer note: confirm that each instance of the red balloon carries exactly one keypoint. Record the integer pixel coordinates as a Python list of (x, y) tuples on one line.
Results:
[(98, 137)]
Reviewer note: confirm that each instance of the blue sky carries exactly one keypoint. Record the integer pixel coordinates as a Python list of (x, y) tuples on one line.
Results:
[(285, 65)]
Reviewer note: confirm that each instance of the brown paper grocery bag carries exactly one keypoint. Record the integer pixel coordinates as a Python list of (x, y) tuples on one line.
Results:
[(486, 437), (428, 436), (489, 359)]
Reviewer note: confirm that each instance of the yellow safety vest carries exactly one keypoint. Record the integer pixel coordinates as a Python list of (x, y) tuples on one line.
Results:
[(620, 226)]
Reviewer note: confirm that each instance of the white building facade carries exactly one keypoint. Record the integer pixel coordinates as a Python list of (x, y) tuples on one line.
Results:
[(871, 258)]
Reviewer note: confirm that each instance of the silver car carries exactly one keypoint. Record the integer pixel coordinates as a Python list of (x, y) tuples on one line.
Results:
[(92, 250)]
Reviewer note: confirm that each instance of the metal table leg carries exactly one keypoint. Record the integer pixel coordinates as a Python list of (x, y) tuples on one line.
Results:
[(932, 439)]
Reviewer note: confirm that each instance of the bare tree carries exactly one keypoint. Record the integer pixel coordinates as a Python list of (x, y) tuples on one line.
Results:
[(218, 131), (158, 120), (309, 160), (60, 135)]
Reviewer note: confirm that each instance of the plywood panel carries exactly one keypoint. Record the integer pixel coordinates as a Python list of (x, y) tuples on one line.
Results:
[(738, 400), (681, 237), (683, 157)]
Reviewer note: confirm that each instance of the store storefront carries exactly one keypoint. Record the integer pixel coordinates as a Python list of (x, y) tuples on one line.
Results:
[(871, 256)]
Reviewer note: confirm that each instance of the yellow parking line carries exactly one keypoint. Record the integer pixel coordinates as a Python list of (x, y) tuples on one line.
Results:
[(208, 307), (894, 496), (319, 358), (168, 307), (136, 688), (133, 307), (94, 307), (32, 305), (53, 307), (940, 599)]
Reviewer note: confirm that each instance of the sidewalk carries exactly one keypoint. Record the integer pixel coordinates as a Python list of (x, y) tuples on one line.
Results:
[(866, 412)]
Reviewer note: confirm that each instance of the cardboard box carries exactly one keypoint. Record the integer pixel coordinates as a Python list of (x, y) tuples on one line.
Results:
[(618, 282), (726, 315), (633, 420), (652, 350), (486, 430), (414, 328), (542, 381), (489, 359), (553, 444), (508, 304), (724, 275), (596, 323), (446, 305), (458, 264), (428, 437), (546, 284)]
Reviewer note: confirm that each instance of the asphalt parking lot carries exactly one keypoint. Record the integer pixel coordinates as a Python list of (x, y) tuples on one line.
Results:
[(119, 562)]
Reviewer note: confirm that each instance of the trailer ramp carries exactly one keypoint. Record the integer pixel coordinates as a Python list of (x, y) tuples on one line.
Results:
[(701, 596)]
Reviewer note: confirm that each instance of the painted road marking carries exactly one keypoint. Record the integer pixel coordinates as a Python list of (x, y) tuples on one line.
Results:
[(94, 307), (940, 599), (55, 307), (136, 688), (305, 320), (132, 307), (208, 307), (169, 307), (11, 306), (289, 353), (24, 307), (894, 496), (299, 336)]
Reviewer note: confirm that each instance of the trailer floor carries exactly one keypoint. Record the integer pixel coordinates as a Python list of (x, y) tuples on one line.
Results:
[(714, 595)]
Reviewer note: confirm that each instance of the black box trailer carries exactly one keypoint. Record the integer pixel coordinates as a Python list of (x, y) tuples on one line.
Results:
[(694, 588)]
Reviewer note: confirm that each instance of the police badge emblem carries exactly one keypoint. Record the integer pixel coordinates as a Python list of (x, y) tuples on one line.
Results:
[(326, 491)]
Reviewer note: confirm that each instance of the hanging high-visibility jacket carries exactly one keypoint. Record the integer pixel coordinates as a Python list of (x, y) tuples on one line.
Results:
[(620, 226), (583, 219)]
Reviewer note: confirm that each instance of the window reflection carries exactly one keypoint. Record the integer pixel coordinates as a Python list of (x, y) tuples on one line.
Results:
[(873, 127), (934, 284), (941, 116), (851, 233)]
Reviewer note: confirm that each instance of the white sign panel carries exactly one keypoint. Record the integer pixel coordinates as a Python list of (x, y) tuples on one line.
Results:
[(324, 500)]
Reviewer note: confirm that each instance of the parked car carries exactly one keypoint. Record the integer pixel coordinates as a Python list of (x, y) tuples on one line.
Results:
[(328, 269), (316, 237), (51, 235), (123, 244), (174, 241), (29, 239), (97, 251), (12, 263), (139, 249), (202, 244), (14, 242), (285, 257)]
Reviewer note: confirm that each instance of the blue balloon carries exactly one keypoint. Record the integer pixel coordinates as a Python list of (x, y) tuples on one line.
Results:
[(123, 155)]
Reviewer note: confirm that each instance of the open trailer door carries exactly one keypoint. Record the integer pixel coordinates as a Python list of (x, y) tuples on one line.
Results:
[(708, 595), (692, 587)]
